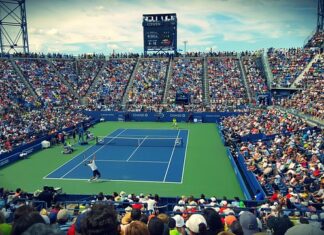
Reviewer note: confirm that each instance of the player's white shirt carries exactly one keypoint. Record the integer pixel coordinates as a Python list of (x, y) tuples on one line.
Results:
[(93, 165)]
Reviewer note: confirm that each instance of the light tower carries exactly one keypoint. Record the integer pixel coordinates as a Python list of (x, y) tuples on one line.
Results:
[(13, 26), (185, 47), (320, 15)]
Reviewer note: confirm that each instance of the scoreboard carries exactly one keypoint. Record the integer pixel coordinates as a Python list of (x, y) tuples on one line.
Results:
[(160, 32)]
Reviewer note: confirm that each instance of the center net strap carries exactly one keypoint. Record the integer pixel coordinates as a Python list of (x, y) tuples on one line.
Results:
[(139, 141)]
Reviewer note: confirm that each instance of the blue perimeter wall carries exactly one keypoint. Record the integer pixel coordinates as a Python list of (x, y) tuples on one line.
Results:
[(207, 117)]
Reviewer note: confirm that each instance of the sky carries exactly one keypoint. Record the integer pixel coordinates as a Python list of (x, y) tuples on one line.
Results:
[(104, 26)]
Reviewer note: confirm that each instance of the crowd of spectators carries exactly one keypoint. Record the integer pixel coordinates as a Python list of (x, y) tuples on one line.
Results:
[(254, 75), (46, 83), (87, 69), (287, 64), (23, 127), (310, 100), (148, 86), (268, 122), (187, 78), (317, 40), (111, 84), (226, 88), (79, 73), (14, 94), (122, 214), (68, 70), (289, 164)]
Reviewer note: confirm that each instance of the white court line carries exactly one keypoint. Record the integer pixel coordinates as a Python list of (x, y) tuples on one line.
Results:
[(149, 136), (73, 158), (136, 149), (184, 164), (109, 180), (154, 129), (91, 154), (167, 170), (132, 161)]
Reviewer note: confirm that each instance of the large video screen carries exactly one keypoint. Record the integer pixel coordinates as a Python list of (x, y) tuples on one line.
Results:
[(159, 38), (160, 32)]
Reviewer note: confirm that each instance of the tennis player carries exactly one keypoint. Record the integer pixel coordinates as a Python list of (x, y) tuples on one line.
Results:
[(174, 123), (94, 168)]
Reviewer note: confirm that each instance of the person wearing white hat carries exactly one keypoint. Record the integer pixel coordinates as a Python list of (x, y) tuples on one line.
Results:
[(196, 224), (180, 224)]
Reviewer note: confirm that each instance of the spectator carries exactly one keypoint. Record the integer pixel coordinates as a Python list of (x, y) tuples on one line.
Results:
[(249, 223), (213, 220), (226, 87), (287, 64), (42, 229), (197, 224), (156, 227), (100, 220), (137, 228), (24, 222)]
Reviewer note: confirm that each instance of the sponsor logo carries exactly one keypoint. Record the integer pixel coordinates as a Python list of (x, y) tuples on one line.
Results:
[(179, 115), (159, 115), (139, 114)]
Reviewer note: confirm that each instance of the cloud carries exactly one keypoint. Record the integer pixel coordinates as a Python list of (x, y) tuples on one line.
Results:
[(100, 8), (116, 24), (239, 37)]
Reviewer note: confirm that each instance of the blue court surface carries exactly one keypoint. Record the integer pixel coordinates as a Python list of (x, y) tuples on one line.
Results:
[(146, 155)]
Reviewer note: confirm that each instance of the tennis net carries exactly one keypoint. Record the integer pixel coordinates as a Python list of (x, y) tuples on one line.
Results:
[(140, 141)]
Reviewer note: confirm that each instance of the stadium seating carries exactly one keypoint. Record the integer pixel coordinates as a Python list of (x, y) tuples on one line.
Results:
[(310, 100), (147, 90), (287, 64), (287, 161), (268, 122), (87, 72), (317, 40), (226, 88), (187, 75), (255, 76), (46, 83), (108, 92)]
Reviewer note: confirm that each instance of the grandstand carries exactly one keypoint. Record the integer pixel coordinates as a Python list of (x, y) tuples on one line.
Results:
[(248, 141)]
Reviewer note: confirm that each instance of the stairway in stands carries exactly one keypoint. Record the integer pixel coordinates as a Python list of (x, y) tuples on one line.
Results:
[(267, 70), (205, 82), (243, 76), (66, 83), (301, 75), (96, 79), (130, 83), (22, 78), (168, 78)]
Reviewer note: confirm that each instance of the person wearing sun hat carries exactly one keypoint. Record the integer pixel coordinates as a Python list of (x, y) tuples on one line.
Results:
[(196, 224), (180, 224)]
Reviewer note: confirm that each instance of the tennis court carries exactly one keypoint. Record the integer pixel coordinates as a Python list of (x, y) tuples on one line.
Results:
[(203, 165), (147, 155)]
